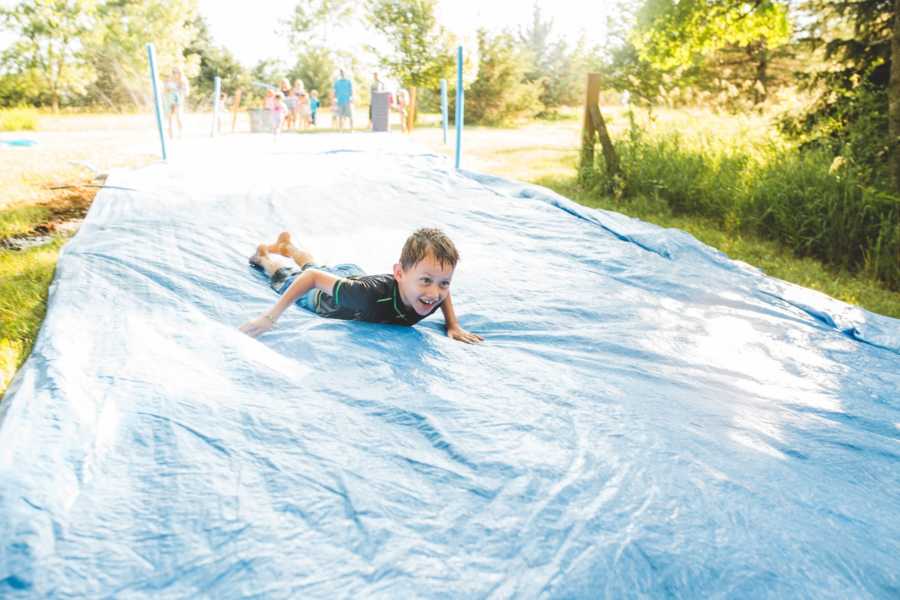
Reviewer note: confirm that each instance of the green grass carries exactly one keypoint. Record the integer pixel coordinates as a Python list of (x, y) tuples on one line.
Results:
[(770, 256), (18, 119), (21, 218), (801, 199), (24, 281)]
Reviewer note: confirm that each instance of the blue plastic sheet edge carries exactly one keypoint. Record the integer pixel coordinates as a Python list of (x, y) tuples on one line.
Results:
[(854, 322)]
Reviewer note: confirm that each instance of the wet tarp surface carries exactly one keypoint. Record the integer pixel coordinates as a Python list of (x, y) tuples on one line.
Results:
[(645, 417)]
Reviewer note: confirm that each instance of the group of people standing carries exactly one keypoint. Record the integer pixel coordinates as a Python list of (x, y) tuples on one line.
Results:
[(292, 106)]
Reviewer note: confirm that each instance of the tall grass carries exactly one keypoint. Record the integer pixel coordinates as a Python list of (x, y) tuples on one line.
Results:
[(803, 199), (18, 119)]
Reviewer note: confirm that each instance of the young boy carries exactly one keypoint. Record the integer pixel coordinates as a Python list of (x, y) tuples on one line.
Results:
[(418, 286)]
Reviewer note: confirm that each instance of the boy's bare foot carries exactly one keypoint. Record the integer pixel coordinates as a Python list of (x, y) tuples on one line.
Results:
[(262, 252), (282, 245)]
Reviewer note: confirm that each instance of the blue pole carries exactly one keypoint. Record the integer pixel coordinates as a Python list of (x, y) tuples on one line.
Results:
[(460, 98), (151, 55), (444, 108), (216, 94)]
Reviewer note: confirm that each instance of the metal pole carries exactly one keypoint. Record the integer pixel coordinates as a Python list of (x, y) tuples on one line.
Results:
[(216, 93), (444, 108), (460, 98), (151, 55)]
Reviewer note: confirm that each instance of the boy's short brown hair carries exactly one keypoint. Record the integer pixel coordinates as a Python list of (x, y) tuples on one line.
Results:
[(426, 240)]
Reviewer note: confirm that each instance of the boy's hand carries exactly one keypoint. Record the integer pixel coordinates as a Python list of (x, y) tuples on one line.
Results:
[(461, 335), (257, 326)]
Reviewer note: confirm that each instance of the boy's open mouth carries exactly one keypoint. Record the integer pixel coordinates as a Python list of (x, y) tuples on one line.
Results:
[(429, 303)]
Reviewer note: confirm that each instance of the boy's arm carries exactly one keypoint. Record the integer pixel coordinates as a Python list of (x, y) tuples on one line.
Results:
[(309, 279), (454, 331)]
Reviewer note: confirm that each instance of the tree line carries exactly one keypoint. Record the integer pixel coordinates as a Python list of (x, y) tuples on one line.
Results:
[(730, 54), (91, 53)]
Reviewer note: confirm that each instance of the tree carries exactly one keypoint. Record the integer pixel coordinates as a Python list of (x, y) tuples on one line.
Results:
[(676, 37), (316, 19), (215, 61), (500, 93), (894, 101), (51, 45), (309, 29), (855, 85), (316, 67), (536, 39), (559, 70), (119, 53), (420, 52)]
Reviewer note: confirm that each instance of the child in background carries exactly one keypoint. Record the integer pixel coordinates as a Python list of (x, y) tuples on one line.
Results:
[(297, 91), (402, 107), (269, 100), (303, 109), (314, 105), (290, 103), (278, 112), (176, 89), (223, 111)]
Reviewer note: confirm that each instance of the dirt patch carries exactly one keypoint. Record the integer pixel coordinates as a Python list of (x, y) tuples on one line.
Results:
[(66, 207)]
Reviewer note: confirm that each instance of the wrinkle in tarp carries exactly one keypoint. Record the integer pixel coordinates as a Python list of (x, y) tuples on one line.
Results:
[(645, 418)]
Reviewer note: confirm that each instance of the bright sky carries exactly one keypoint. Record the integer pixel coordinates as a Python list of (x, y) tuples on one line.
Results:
[(251, 35), (250, 31)]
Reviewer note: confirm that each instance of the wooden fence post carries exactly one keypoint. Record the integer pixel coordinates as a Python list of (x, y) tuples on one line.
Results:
[(594, 126)]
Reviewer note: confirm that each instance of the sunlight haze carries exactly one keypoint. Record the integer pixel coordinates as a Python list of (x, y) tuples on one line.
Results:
[(252, 40)]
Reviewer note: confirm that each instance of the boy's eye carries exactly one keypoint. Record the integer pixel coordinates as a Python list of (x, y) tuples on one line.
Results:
[(445, 284), (426, 280)]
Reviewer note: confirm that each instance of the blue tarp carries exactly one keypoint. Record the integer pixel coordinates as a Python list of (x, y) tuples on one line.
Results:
[(645, 417)]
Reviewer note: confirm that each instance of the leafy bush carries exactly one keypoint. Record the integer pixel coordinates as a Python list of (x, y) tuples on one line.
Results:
[(854, 127), (814, 204), (821, 207)]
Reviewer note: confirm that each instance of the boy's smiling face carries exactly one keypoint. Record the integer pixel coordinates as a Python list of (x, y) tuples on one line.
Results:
[(424, 285)]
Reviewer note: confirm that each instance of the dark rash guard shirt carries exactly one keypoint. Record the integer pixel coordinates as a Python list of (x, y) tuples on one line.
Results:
[(373, 298)]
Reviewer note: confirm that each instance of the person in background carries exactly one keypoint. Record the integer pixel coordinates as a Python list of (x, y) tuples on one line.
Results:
[(377, 86), (176, 91), (343, 94), (298, 92), (278, 113), (314, 105), (402, 107), (304, 113), (333, 104), (269, 100), (290, 103), (223, 111)]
